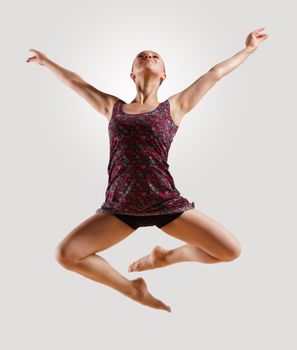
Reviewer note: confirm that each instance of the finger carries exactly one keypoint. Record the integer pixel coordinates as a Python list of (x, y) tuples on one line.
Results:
[(262, 36), (31, 58), (256, 34), (259, 29)]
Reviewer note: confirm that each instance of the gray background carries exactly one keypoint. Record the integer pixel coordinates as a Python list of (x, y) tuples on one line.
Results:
[(233, 155)]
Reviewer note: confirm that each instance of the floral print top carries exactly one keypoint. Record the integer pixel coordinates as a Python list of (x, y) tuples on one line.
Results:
[(139, 182)]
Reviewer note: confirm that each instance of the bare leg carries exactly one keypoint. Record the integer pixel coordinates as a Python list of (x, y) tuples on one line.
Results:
[(77, 252), (189, 252), (96, 268), (207, 242)]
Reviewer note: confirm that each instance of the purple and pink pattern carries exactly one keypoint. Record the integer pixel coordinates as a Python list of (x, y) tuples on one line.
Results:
[(139, 182)]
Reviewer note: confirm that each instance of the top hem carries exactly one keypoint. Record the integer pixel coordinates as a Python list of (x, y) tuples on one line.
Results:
[(192, 206)]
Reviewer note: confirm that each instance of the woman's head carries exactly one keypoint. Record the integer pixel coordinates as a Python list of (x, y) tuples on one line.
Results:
[(148, 64)]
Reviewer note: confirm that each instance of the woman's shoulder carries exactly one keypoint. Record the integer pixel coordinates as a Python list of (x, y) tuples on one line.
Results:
[(112, 102)]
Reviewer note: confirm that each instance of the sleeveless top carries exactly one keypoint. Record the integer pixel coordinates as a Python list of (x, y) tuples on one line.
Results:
[(139, 182)]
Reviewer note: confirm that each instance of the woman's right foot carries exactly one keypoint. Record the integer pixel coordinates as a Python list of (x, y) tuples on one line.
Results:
[(157, 258), (141, 294)]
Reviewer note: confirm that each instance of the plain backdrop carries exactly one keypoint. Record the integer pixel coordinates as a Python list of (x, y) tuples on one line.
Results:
[(234, 155)]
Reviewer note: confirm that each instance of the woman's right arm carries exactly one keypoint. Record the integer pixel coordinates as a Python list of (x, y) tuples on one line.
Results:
[(101, 101)]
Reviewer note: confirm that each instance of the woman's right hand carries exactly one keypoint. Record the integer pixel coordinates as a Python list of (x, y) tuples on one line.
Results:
[(39, 57)]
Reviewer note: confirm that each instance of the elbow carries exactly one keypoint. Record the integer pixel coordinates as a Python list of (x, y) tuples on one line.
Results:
[(216, 72), (76, 81)]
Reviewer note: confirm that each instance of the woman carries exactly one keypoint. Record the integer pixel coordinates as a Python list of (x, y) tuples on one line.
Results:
[(141, 191)]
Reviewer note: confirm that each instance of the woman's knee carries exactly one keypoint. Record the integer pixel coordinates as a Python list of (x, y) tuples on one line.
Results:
[(65, 255), (233, 252)]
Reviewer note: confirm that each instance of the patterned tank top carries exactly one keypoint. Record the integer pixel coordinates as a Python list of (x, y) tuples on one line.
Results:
[(139, 182)]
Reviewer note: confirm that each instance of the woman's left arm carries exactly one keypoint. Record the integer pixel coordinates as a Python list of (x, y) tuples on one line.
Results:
[(185, 100), (252, 42)]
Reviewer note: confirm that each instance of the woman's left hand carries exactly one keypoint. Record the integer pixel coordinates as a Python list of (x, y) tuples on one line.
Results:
[(254, 39)]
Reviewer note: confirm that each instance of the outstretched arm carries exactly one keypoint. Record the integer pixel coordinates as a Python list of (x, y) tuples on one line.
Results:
[(252, 42), (101, 101), (187, 99)]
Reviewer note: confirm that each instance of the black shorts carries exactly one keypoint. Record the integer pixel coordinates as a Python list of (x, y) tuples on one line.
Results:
[(135, 221)]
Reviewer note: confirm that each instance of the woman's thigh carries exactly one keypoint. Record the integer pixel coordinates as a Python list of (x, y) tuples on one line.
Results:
[(97, 233), (198, 229)]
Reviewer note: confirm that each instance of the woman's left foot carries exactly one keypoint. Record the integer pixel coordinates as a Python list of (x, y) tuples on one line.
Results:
[(157, 258)]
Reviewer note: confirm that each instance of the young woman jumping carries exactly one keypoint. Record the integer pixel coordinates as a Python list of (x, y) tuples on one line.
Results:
[(141, 191)]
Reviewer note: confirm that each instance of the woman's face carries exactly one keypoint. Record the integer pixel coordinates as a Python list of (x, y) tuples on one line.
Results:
[(148, 60)]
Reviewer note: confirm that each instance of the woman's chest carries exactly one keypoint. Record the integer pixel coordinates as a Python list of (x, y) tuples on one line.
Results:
[(147, 128)]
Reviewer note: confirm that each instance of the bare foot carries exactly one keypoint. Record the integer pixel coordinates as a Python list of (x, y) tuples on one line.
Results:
[(141, 294), (157, 258)]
